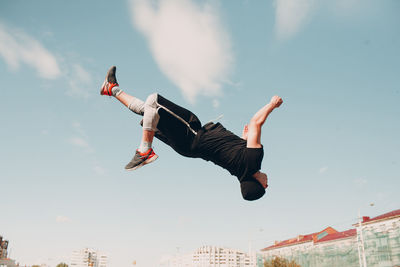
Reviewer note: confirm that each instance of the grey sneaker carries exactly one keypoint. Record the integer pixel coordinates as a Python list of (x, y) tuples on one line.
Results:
[(141, 159), (109, 82)]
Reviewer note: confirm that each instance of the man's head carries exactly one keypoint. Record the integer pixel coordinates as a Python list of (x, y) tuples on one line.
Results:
[(253, 187)]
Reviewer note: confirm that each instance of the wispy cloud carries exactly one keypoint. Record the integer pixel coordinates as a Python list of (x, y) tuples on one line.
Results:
[(215, 103), (17, 47), (360, 182), (81, 139), (98, 169), (62, 219), (323, 169), (78, 141), (78, 128), (188, 42), (291, 16), (80, 82)]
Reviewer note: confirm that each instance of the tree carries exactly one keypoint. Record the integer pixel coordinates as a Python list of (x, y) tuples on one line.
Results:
[(280, 262), (62, 264)]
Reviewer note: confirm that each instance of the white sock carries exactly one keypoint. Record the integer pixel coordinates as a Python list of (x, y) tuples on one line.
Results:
[(116, 91), (144, 146)]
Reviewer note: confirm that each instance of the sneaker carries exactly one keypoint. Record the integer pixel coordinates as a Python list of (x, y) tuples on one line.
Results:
[(109, 82), (141, 159)]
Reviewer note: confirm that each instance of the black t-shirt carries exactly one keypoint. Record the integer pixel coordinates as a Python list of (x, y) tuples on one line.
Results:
[(225, 149)]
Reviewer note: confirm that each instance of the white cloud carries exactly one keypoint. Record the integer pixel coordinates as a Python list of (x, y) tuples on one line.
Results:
[(291, 16), (62, 219), (80, 142), (215, 103), (81, 138), (17, 47), (80, 82), (78, 128), (360, 182), (98, 169), (188, 43), (323, 169)]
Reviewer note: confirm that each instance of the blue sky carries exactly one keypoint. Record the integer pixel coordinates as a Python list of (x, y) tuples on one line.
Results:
[(330, 150)]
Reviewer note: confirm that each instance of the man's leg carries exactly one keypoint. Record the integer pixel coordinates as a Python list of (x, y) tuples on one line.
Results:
[(138, 106), (145, 154), (254, 127), (148, 110)]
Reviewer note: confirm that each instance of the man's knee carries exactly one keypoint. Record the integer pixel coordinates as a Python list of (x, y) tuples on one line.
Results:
[(151, 116), (152, 100)]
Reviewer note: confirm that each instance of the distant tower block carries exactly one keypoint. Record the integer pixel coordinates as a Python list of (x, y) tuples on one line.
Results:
[(3, 248)]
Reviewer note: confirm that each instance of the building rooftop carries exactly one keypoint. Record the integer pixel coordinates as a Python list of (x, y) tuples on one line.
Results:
[(302, 239), (385, 216), (329, 234), (338, 235)]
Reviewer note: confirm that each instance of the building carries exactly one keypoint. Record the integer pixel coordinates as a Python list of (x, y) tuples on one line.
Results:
[(7, 263), (381, 242), (3, 248), (325, 248), (4, 260), (88, 258), (377, 240), (210, 256)]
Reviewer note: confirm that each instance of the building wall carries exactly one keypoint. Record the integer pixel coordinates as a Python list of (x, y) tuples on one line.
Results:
[(381, 244), (208, 256), (329, 254), (3, 248), (7, 263), (88, 258), (336, 254)]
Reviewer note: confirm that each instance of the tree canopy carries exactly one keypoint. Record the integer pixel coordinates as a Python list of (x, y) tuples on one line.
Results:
[(280, 262)]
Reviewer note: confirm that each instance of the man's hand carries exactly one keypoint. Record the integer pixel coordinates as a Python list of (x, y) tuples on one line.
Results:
[(245, 132), (276, 101)]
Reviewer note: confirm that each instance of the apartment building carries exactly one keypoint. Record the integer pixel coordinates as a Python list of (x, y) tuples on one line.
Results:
[(210, 256), (374, 242), (3, 248), (4, 260), (88, 258)]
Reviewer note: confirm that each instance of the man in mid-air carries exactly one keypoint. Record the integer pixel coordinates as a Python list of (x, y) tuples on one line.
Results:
[(182, 130)]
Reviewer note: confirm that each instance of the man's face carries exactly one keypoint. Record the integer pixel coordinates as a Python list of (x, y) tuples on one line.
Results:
[(262, 178)]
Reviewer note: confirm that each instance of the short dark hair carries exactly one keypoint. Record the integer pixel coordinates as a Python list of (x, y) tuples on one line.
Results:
[(251, 189)]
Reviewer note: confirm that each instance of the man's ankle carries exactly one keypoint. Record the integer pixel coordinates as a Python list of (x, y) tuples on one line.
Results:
[(144, 146)]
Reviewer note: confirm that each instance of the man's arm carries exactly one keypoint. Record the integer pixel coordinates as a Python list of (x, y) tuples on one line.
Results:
[(254, 127)]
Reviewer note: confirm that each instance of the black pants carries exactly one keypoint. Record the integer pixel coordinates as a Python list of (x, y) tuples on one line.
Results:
[(177, 127)]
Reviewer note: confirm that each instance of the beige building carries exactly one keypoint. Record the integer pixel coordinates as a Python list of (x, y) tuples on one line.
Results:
[(210, 256), (88, 258)]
